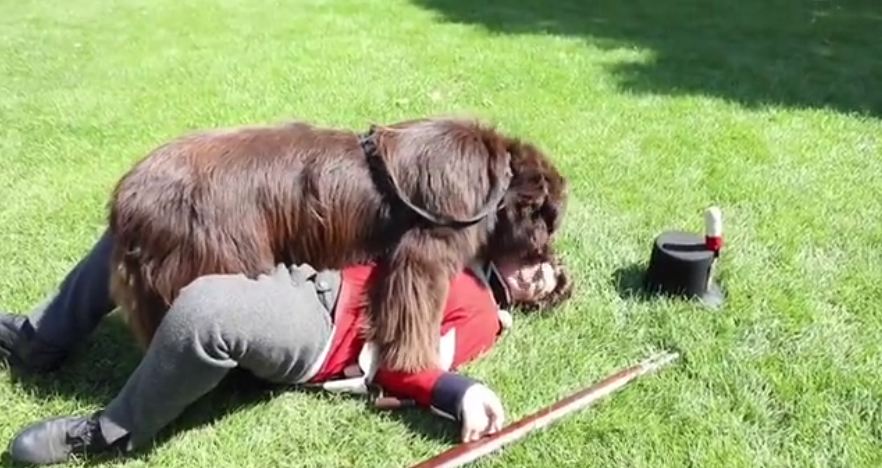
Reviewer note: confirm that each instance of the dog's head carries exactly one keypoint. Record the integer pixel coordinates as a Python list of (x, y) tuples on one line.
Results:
[(533, 209)]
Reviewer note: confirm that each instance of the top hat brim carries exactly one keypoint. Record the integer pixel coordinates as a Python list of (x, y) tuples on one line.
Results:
[(713, 297)]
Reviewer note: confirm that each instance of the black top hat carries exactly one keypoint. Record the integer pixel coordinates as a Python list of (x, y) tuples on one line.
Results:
[(682, 263)]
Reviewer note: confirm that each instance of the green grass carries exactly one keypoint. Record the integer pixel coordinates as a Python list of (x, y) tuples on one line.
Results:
[(653, 109)]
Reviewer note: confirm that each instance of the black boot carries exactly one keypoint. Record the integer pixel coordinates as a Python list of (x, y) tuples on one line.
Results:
[(22, 350), (57, 440), (10, 329)]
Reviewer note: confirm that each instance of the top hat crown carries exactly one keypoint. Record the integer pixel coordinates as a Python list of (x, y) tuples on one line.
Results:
[(682, 263)]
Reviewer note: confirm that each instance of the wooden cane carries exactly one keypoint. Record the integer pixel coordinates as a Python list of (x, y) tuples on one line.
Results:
[(468, 452)]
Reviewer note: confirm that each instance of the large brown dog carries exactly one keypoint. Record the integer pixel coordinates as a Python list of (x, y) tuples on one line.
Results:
[(422, 197)]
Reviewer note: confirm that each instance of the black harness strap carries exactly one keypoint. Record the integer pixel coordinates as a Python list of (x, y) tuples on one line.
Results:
[(493, 202)]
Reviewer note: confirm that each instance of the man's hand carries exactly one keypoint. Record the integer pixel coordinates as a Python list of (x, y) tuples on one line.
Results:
[(482, 413)]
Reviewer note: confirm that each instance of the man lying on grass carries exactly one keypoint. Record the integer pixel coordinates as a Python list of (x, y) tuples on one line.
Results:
[(292, 326)]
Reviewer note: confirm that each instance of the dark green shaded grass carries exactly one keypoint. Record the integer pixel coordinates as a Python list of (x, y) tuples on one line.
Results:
[(651, 120)]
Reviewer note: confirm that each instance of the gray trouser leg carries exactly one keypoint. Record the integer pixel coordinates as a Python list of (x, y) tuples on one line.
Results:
[(73, 312), (274, 326)]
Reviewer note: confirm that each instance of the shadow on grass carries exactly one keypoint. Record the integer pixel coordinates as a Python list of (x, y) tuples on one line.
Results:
[(94, 372), (421, 421), (796, 53), (628, 282)]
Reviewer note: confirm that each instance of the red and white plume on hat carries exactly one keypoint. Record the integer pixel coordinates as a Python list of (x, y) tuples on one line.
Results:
[(713, 229)]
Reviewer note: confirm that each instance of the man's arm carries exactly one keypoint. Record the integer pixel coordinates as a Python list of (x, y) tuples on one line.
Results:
[(473, 329)]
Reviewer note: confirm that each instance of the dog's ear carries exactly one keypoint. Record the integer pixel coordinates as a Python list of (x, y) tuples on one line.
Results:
[(533, 209), (541, 184), (556, 200), (530, 184)]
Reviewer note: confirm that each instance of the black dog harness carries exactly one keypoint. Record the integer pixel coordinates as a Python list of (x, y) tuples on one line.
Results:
[(493, 202)]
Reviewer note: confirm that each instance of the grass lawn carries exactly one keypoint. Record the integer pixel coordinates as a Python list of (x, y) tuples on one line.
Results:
[(653, 109)]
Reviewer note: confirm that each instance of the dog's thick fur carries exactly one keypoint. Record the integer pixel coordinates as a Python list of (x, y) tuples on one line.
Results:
[(243, 200)]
